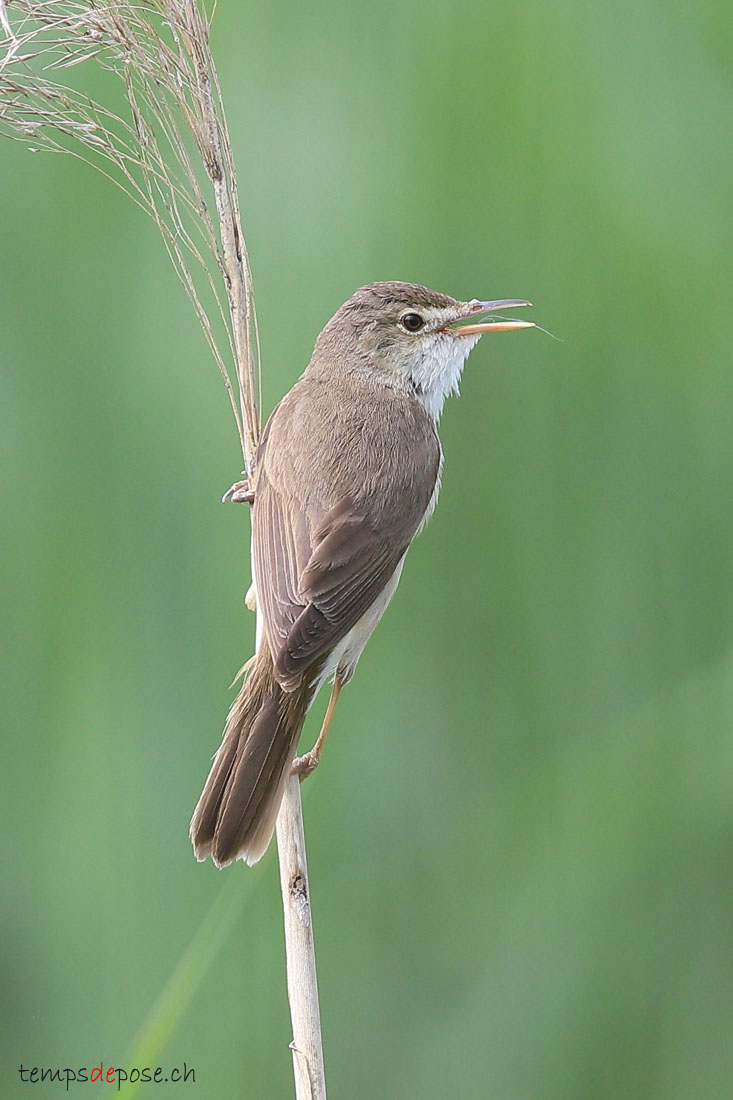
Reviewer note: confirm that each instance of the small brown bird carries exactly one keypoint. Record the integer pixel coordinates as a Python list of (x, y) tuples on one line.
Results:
[(347, 473)]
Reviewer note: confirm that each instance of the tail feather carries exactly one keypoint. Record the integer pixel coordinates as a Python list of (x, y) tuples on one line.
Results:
[(235, 816)]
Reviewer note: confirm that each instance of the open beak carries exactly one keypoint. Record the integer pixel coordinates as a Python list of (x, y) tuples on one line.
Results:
[(466, 326)]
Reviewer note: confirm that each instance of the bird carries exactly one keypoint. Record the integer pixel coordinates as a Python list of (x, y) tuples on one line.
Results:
[(347, 473)]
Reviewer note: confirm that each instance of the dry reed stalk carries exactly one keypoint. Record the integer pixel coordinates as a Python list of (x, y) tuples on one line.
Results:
[(167, 146)]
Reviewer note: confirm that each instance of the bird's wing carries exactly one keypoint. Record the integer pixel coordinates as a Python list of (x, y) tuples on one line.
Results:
[(282, 547), (315, 581), (351, 563), (323, 554)]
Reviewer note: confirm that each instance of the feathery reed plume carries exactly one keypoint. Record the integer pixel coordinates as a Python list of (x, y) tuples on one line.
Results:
[(167, 146)]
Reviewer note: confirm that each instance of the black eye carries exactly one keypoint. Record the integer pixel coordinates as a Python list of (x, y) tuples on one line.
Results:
[(413, 322)]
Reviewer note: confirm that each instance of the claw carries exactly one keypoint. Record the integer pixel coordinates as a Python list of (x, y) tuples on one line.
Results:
[(239, 493), (304, 765)]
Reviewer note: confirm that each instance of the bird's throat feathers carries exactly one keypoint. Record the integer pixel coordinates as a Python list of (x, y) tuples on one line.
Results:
[(435, 373)]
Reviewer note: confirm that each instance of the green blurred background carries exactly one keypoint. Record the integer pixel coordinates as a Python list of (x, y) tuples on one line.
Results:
[(520, 838)]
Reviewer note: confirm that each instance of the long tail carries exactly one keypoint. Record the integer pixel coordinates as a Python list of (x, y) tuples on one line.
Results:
[(235, 816)]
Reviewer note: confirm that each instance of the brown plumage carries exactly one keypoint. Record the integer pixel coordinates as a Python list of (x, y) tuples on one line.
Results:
[(237, 809), (347, 472)]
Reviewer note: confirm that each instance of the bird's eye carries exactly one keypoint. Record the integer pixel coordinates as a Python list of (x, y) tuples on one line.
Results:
[(413, 322)]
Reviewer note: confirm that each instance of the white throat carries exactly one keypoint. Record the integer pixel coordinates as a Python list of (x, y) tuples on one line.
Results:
[(436, 374)]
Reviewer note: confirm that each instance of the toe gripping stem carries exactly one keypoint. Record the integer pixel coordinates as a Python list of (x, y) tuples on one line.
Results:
[(239, 493)]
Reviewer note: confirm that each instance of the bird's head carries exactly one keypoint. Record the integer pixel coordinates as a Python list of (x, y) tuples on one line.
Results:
[(410, 336)]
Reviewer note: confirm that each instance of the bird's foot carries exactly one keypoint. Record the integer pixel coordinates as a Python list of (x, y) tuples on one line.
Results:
[(305, 764), (239, 493)]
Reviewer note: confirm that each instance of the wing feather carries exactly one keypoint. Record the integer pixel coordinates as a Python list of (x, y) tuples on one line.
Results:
[(326, 537), (282, 549), (350, 565)]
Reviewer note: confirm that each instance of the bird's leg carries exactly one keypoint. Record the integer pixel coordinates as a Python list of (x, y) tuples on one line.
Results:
[(304, 765), (239, 493)]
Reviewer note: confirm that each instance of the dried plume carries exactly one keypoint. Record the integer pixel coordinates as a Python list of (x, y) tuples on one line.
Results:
[(166, 145)]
